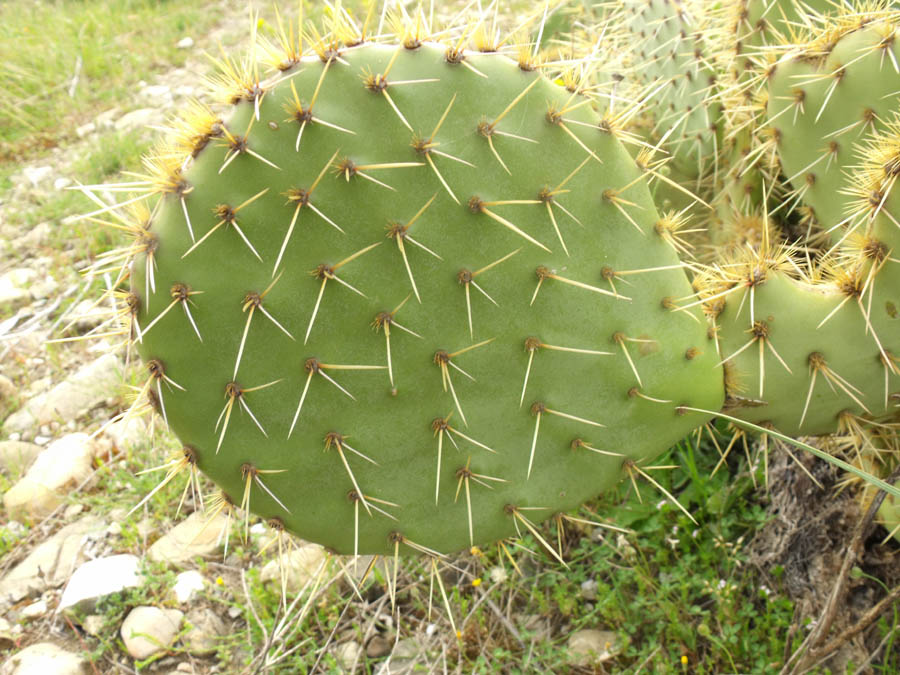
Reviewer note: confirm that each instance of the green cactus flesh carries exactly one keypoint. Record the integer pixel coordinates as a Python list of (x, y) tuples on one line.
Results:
[(821, 102), (758, 25), (673, 60), (486, 287), (791, 370)]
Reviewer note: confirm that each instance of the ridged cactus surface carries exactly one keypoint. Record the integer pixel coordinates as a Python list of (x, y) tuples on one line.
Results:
[(441, 313)]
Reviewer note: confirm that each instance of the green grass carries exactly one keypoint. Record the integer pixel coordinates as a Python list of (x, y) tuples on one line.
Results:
[(116, 43)]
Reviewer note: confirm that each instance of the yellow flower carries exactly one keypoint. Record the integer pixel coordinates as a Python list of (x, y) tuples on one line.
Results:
[(220, 581), (476, 582)]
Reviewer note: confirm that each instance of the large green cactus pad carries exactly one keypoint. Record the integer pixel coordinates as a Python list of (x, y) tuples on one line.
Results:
[(553, 268)]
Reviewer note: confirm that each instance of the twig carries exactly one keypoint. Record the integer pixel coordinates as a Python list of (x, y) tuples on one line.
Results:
[(121, 666), (325, 646), (809, 651), (84, 288), (867, 619), (73, 85), (267, 638), (506, 622), (81, 642), (647, 660), (863, 667)]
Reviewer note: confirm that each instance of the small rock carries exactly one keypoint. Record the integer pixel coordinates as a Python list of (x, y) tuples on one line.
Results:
[(98, 578), (51, 563), (41, 290), (406, 649), (7, 639), (355, 570), (34, 610), (127, 434), (85, 129), (186, 584), (16, 456), (72, 510), (195, 536), (537, 625), (37, 174), (136, 119), (88, 314), (44, 658), (114, 529), (145, 528), (587, 647), (301, 565), (35, 237), (403, 660), (156, 91), (107, 118), (150, 630), (206, 630), (7, 388), (64, 465), (185, 43), (91, 385), (589, 590), (93, 624), (378, 646), (348, 654), (14, 286), (62, 183)]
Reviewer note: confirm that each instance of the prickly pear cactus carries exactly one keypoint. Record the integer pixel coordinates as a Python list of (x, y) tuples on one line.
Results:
[(823, 98), (805, 92), (675, 68), (829, 103), (406, 296)]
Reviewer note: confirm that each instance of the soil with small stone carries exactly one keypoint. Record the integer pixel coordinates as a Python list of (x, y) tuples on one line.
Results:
[(803, 548)]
